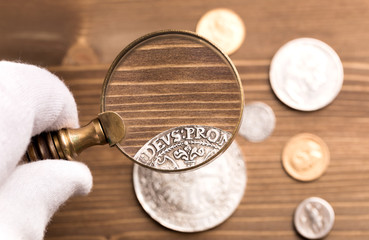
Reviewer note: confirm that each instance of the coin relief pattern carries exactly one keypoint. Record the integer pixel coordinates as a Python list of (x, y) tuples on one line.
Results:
[(314, 218), (224, 28), (305, 157), (182, 147), (197, 200), (306, 74)]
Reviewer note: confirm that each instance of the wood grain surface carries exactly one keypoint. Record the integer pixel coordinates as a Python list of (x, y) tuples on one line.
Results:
[(169, 79), (77, 40)]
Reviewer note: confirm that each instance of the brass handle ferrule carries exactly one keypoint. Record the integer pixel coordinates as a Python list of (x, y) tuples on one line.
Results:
[(108, 127), (73, 141)]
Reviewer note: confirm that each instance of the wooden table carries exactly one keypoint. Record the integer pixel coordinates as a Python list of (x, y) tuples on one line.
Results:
[(41, 32)]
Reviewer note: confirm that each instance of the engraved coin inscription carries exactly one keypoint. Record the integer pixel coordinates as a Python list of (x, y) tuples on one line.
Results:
[(306, 74), (197, 200), (314, 218), (305, 157), (223, 27), (258, 122), (182, 147)]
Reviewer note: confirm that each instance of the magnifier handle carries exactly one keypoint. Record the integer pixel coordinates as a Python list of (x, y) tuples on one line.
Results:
[(108, 127)]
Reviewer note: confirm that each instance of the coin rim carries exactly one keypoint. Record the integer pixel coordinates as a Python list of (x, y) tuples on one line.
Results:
[(212, 11), (186, 33), (311, 41), (289, 169), (323, 202), (138, 192)]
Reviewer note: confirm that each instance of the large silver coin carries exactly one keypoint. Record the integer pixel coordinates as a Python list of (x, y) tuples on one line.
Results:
[(258, 122), (314, 218), (182, 148), (306, 74), (197, 200)]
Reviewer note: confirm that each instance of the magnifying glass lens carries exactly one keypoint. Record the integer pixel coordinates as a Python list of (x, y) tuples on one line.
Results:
[(168, 80)]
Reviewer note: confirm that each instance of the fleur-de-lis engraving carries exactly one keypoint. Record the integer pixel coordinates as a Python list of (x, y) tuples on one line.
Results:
[(158, 161), (188, 154)]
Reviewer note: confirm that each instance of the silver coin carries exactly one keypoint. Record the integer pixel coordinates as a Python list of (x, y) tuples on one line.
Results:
[(306, 74), (314, 218), (183, 147), (197, 200), (258, 122)]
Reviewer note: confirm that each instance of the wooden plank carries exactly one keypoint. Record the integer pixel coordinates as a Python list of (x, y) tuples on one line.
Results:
[(42, 34)]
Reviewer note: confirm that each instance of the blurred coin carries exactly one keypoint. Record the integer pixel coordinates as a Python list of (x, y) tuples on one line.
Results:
[(306, 74), (305, 157), (197, 200), (258, 122), (314, 218), (224, 28)]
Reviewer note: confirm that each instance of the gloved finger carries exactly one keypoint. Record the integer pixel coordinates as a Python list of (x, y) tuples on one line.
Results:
[(41, 93), (32, 100), (34, 191)]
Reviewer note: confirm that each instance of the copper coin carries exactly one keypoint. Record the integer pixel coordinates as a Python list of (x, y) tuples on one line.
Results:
[(305, 157), (224, 28)]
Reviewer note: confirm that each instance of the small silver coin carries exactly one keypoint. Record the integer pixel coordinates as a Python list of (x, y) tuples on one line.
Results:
[(314, 218), (258, 122), (306, 74), (183, 148), (197, 200)]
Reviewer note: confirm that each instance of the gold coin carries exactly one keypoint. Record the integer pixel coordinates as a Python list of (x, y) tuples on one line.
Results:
[(224, 28), (305, 157)]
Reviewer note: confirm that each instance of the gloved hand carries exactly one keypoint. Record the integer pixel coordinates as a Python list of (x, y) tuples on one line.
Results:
[(33, 100)]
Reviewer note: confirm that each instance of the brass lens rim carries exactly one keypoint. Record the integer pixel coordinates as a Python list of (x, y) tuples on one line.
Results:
[(178, 32)]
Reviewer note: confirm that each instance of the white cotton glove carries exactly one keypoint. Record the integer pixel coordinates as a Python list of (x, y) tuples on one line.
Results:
[(33, 100)]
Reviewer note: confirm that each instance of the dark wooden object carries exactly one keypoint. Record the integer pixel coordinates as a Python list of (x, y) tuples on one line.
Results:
[(43, 32)]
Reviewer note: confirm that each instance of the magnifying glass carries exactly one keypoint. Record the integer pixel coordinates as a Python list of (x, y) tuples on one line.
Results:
[(171, 101)]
